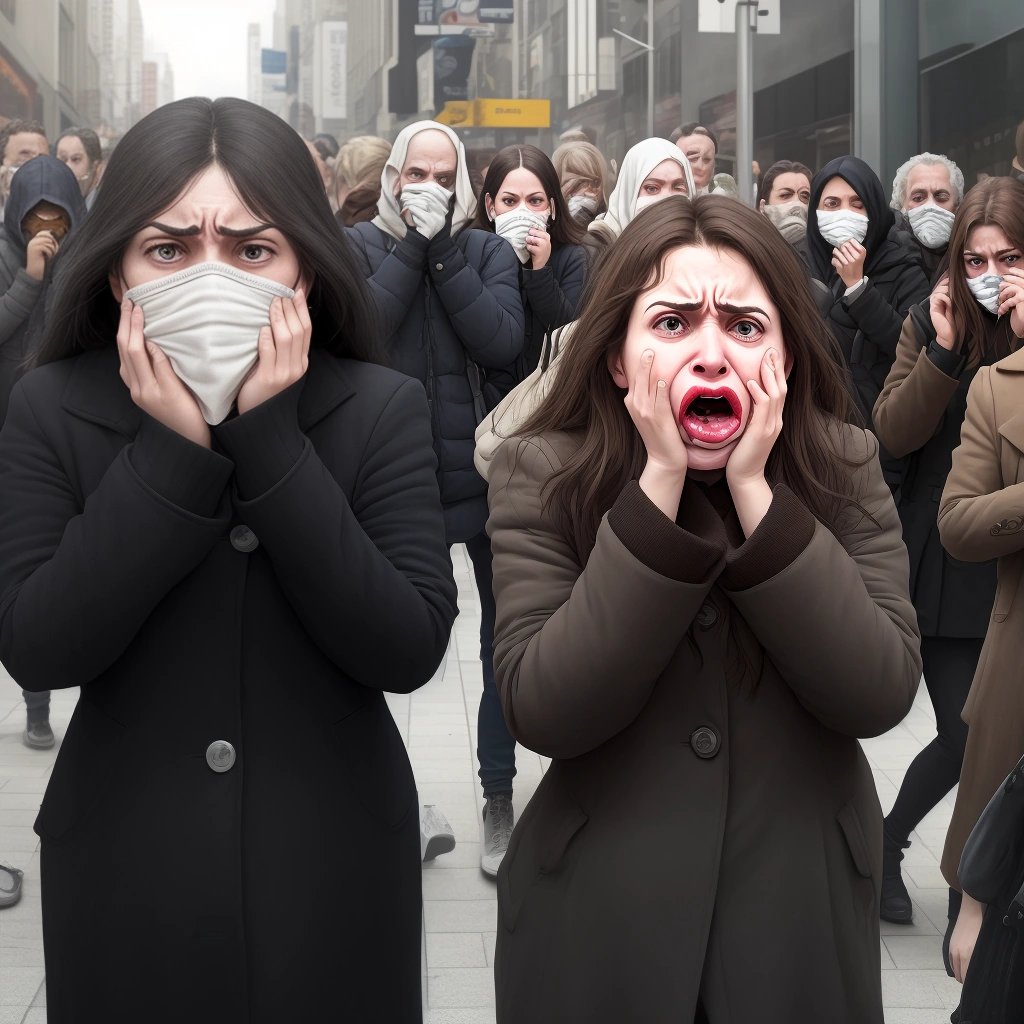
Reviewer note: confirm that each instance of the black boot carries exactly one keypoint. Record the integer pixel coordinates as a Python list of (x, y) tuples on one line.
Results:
[(895, 906)]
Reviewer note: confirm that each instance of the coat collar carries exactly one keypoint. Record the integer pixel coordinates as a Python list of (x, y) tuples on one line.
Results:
[(96, 393)]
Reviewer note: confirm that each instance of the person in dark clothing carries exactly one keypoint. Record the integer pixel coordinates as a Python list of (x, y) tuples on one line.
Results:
[(521, 201), (874, 280), (448, 298), (44, 206), (918, 417), (926, 192), (221, 521)]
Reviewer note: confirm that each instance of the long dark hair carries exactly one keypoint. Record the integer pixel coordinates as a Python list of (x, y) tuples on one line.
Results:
[(275, 176), (584, 397), (563, 229), (997, 201)]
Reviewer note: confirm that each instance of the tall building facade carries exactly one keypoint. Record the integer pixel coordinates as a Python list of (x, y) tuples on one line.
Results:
[(879, 78), (117, 34), (49, 69)]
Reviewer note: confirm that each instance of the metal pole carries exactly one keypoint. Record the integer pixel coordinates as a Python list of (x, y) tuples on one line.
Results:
[(746, 11), (650, 69)]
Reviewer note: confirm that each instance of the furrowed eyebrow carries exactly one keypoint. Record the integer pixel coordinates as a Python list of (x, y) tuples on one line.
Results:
[(245, 232), (726, 307), (175, 232)]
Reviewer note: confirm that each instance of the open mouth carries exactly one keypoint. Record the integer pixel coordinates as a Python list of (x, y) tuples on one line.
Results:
[(710, 416)]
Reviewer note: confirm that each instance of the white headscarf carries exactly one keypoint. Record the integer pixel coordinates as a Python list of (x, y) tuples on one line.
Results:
[(636, 165), (389, 213)]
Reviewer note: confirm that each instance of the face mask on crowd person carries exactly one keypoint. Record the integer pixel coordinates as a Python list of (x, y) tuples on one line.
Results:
[(986, 290), (515, 226), (789, 218), (207, 320), (839, 226), (582, 203), (45, 217), (931, 224), (427, 203)]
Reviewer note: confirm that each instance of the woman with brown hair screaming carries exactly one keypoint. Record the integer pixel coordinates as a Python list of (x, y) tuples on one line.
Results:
[(702, 604)]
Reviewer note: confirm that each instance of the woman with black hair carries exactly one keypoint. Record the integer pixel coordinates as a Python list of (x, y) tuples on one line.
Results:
[(221, 521), (522, 202)]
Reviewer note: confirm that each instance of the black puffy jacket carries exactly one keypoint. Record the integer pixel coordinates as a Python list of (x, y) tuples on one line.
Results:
[(442, 304)]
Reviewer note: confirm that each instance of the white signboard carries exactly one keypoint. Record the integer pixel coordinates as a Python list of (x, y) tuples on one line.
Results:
[(333, 70), (715, 16)]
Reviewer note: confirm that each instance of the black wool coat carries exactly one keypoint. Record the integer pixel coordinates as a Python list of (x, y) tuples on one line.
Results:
[(176, 884), (443, 303)]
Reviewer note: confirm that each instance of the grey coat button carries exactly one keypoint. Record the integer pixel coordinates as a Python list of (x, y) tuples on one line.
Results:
[(244, 540), (707, 616), (220, 756), (439, 266), (705, 741)]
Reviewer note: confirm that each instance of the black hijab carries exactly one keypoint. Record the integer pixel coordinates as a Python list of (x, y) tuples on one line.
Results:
[(863, 180)]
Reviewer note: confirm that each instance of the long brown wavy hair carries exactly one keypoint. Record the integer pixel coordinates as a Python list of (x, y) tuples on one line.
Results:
[(999, 202), (585, 399)]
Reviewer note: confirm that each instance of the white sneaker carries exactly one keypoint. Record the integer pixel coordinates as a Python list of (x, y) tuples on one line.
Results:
[(499, 819), (436, 834)]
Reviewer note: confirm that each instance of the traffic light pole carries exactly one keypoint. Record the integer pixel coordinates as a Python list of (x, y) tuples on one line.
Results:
[(746, 21)]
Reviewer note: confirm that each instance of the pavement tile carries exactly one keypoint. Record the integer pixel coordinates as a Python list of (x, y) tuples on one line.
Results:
[(460, 915), (455, 949), (903, 1015), (460, 986), (19, 985), (458, 884), (489, 941), (914, 988), (481, 1015), (916, 952), (465, 855)]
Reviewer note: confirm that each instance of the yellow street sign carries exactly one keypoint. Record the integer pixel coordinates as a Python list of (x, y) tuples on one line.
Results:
[(491, 113)]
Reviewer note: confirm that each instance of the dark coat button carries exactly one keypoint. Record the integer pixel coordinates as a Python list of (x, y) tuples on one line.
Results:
[(220, 756), (705, 741), (244, 540), (707, 616)]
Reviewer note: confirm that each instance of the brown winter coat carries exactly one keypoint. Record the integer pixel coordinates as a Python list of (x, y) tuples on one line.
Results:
[(982, 516), (698, 834)]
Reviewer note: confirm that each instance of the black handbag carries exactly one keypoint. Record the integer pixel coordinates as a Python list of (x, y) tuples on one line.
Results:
[(994, 850)]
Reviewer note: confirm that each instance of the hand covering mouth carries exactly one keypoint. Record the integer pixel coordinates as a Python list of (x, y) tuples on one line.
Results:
[(710, 416)]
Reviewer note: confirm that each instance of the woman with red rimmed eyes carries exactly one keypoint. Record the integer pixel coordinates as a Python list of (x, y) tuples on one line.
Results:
[(691, 545)]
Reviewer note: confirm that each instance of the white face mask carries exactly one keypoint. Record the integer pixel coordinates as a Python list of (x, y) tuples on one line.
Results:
[(427, 202), (838, 226), (582, 204), (789, 218), (207, 321), (931, 224), (514, 227), (986, 290)]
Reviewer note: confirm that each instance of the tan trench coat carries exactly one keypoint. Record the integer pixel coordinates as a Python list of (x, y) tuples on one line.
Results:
[(982, 516), (698, 835)]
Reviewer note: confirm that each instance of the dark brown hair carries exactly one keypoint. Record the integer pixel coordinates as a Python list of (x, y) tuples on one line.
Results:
[(563, 228), (585, 398), (767, 180), (996, 201)]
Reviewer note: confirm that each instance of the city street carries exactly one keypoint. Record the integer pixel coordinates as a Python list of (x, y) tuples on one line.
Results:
[(438, 724)]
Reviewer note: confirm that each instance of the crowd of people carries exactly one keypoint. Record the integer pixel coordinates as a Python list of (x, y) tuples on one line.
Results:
[(730, 472)]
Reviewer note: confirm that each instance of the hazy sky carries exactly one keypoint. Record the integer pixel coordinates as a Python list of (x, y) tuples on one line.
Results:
[(206, 41)]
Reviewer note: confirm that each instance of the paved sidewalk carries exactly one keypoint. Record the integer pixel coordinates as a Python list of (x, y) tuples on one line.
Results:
[(438, 724)]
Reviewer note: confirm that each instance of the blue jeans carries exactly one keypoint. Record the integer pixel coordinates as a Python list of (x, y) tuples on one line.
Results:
[(496, 749), (38, 705)]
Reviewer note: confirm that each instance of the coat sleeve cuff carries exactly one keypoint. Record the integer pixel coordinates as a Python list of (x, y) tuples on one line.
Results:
[(949, 362), (778, 541), (412, 250), (184, 473), (264, 443), (650, 536), (444, 259)]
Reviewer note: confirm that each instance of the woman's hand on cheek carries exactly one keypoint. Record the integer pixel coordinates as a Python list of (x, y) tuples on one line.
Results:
[(283, 352), (154, 386), (744, 472), (650, 408)]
